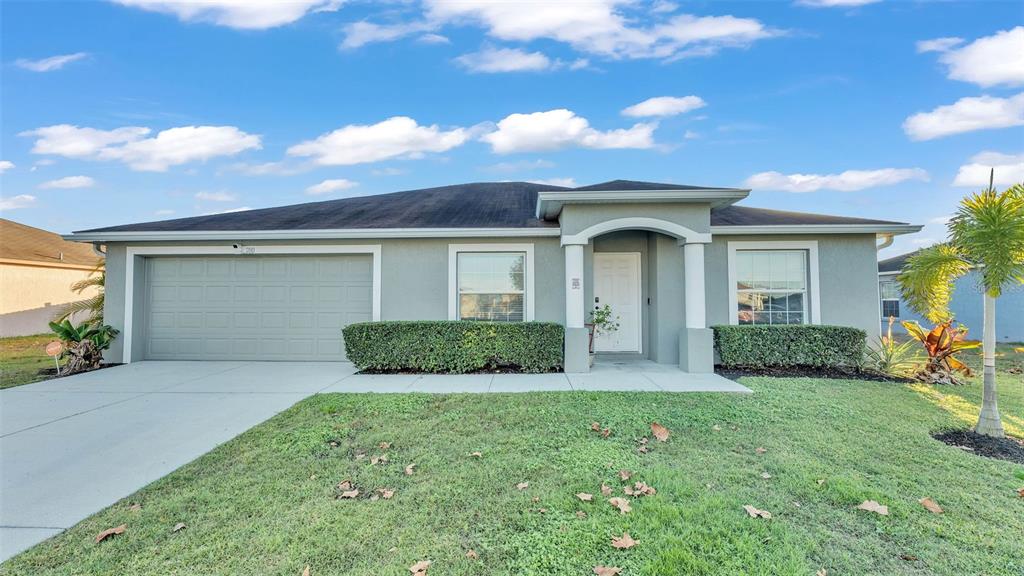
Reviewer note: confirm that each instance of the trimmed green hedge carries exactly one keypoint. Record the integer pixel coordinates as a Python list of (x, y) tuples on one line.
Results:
[(787, 346), (455, 346)]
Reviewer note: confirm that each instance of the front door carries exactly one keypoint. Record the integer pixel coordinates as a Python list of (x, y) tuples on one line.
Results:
[(617, 284)]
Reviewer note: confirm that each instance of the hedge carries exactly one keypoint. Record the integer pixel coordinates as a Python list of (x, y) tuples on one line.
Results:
[(455, 346), (789, 346)]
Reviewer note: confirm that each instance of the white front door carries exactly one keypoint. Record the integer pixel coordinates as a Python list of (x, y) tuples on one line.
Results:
[(617, 284)]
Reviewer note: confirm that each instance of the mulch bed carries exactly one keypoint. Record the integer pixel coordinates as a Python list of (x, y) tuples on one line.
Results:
[(52, 372), (498, 370), (809, 372), (1009, 449)]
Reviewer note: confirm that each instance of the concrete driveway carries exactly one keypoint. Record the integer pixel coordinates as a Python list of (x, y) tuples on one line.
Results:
[(71, 446)]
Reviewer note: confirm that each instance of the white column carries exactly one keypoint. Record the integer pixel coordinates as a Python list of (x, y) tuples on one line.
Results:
[(693, 266), (574, 307)]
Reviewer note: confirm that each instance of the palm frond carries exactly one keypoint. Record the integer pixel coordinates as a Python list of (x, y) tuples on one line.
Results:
[(926, 282), (988, 229)]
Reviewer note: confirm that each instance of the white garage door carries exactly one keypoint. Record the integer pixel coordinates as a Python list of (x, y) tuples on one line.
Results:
[(254, 307)]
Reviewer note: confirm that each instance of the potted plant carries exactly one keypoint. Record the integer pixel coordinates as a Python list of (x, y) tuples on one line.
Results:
[(602, 321)]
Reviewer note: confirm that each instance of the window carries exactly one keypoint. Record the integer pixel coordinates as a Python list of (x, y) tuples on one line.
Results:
[(771, 287), (890, 294), (491, 286)]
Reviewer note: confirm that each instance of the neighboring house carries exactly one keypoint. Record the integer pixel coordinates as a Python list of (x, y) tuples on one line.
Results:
[(37, 269), (966, 305), (671, 261)]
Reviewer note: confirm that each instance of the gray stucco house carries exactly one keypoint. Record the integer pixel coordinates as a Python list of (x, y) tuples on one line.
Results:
[(966, 305), (671, 261)]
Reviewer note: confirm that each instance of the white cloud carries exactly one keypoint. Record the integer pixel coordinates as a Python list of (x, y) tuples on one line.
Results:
[(168, 148), (691, 135), (836, 3), (358, 34), (605, 27), (243, 14), (220, 196), (69, 182), (1009, 170), (51, 63), (181, 145), (938, 44), (388, 171), (848, 181), (267, 168), (562, 128), (5, 165), (432, 38), (966, 115), (563, 182), (397, 137), (75, 142), (328, 186), (15, 202), (504, 60), (664, 106), (989, 61)]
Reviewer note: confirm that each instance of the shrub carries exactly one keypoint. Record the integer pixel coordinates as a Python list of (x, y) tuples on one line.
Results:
[(455, 346), (83, 344), (789, 346)]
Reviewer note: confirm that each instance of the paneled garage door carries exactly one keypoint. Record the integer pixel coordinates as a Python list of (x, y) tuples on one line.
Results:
[(254, 307)]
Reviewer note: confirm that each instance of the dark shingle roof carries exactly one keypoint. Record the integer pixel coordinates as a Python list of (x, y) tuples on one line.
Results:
[(894, 264), (477, 205), (745, 216), (21, 242)]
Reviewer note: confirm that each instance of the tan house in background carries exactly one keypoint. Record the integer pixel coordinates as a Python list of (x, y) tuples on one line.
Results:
[(37, 269)]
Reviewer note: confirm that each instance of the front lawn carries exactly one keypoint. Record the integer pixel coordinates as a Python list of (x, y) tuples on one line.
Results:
[(265, 502), (21, 359)]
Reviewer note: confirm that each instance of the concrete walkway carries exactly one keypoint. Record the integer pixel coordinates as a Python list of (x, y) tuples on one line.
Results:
[(71, 446)]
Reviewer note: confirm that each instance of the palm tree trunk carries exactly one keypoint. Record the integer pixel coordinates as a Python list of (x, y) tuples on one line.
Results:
[(989, 423)]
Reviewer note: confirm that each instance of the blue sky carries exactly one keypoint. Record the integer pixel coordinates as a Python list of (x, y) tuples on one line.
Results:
[(137, 110)]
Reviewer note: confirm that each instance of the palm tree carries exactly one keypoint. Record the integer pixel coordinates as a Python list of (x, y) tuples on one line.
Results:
[(94, 304), (985, 234)]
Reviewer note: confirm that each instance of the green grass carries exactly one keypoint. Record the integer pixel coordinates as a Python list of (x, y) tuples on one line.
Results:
[(264, 502), (21, 359)]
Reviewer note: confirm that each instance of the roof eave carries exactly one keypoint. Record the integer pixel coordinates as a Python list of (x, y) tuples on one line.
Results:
[(325, 234), (550, 202), (878, 229)]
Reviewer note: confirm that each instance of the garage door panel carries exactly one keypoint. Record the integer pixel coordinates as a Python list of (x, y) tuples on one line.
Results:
[(254, 307)]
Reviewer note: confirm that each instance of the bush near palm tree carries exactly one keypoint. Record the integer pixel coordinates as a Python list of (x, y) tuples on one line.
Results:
[(986, 234), (888, 356), (94, 304), (83, 344)]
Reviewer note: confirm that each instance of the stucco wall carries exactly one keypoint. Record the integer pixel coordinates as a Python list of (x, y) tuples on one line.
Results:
[(968, 309), (414, 281), (30, 296), (848, 272)]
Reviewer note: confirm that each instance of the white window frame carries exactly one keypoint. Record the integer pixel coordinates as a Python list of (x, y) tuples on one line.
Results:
[(813, 292), (131, 252), (882, 301), (453, 274)]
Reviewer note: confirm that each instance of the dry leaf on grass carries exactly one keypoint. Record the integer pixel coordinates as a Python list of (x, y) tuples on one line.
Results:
[(382, 459), (659, 432), (385, 493), (349, 494), (585, 497), (606, 432), (110, 532), (760, 450), (625, 475), (607, 570), (1020, 492), (642, 489), (595, 426), (581, 514), (821, 481), (765, 475), (716, 428), (409, 469), (931, 505), (872, 506), (472, 555), (523, 485), (477, 454), (420, 568), (621, 503), (135, 507), (384, 445), (605, 490), (178, 527), (755, 513), (821, 572), (624, 541), (344, 485), (305, 572)]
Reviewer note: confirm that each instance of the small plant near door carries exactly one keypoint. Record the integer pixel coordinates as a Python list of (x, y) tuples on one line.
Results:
[(602, 321), (83, 344)]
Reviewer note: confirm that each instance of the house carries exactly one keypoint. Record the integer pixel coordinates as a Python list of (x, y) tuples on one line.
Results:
[(37, 269), (670, 260), (966, 305)]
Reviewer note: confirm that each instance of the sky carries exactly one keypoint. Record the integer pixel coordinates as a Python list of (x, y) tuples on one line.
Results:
[(139, 110)]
